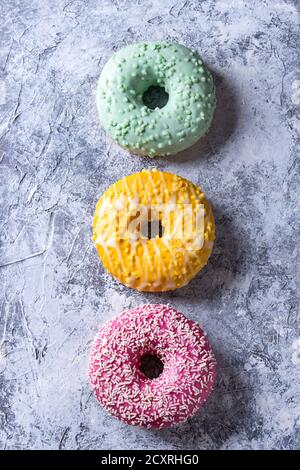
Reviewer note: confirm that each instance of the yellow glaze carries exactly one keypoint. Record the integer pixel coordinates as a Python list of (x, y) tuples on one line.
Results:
[(165, 262)]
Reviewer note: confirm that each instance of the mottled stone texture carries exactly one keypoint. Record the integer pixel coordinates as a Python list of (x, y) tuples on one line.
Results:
[(56, 161)]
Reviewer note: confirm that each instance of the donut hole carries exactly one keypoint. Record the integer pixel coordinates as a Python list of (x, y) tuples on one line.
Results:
[(155, 97), (151, 365), (151, 229)]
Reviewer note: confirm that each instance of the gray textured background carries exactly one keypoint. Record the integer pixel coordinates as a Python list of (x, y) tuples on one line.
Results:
[(55, 163)]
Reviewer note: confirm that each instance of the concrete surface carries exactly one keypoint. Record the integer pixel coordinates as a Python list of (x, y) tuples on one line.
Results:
[(56, 161)]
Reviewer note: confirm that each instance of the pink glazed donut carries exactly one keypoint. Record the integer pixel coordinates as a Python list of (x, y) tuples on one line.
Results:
[(182, 355)]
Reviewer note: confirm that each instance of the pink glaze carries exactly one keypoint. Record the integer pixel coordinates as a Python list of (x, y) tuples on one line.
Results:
[(125, 392)]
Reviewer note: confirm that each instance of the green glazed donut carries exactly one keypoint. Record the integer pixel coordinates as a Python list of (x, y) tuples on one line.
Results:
[(155, 98)]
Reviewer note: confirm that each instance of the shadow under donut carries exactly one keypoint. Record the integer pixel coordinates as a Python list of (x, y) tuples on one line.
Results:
[(222, 127), (225, 414), (229, 259)]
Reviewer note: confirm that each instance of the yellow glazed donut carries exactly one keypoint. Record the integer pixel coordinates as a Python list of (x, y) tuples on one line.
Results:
[(154, 231)]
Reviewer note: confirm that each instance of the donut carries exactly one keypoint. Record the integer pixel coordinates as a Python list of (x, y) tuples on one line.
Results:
[(153, 231), (155, 98), (121, 383)]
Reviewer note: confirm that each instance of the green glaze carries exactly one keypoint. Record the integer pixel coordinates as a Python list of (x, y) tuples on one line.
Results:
[(161, 131)]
